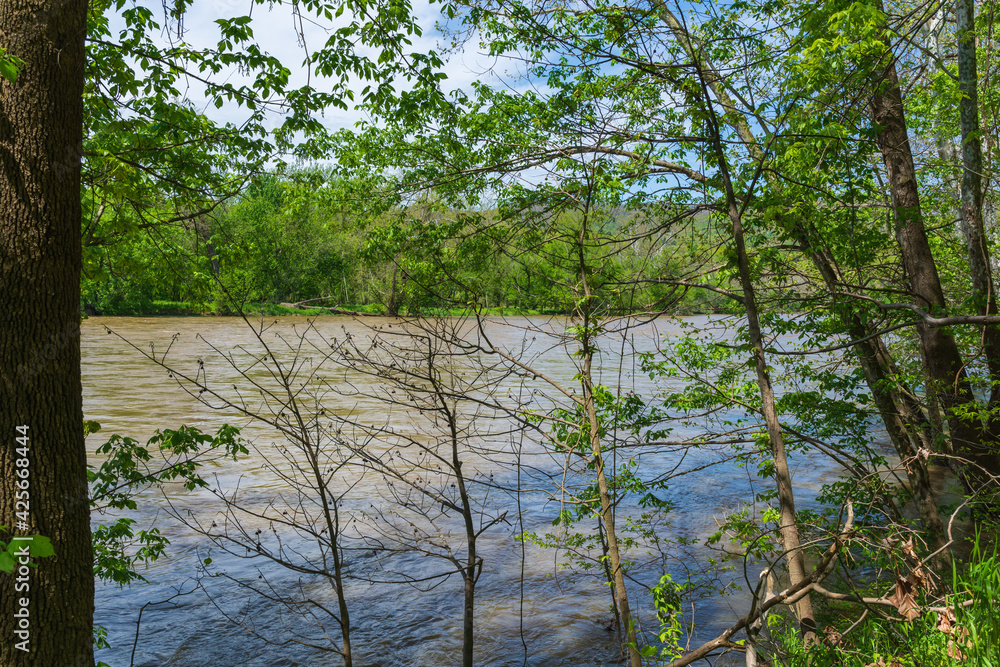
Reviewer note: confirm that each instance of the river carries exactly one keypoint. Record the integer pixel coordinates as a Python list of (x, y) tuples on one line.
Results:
[(529, 608)]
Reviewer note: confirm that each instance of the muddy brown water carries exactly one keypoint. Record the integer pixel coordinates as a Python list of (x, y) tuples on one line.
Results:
[(530, 608)]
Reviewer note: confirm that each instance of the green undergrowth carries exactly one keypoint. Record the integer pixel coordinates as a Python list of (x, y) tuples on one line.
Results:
[(957, 628)]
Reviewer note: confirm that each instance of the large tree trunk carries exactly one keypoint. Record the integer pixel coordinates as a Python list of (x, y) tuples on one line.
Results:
[(940, 352), (41, 121), (904, 421)]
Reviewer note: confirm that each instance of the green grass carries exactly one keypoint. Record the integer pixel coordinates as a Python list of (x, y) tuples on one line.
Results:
[(972, 639)]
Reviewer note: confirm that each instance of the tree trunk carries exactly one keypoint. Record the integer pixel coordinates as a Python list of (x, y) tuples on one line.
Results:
[(904, 421), (972, 197), (468, 614), (41, 130), (202, 229), (608, 519), (899, 409), (469, 572), (938, 348), (788, 527), (393, 303), (626, 626)]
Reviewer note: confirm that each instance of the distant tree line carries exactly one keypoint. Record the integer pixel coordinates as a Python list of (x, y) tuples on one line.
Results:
[(298, 237)]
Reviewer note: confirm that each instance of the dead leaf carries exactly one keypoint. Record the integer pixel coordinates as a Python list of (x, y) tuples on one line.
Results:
[(903, 599), (946, 621), (920, 578), (954, 652), (959, 636)]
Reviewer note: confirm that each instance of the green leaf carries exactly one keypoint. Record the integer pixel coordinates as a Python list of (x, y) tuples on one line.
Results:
[(40, 547), (8, 70), (7, 562)]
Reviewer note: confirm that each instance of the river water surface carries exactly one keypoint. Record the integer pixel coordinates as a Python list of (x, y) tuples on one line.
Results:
[(530, 608)]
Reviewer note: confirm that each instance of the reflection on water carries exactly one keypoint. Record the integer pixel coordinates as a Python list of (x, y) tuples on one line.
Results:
[(529, 609)]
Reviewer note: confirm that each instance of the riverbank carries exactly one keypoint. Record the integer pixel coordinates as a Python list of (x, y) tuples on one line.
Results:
[(190, 309)]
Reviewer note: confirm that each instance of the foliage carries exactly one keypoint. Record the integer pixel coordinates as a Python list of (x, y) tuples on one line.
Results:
[(668, 602), (613, 185), (12, 551), (119, 550), (305, 235), (961, 628), (170, 456), (155, 165), (10, 65)]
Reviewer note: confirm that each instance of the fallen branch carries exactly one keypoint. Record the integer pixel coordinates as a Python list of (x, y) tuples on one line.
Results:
[(299, 304), (333, 310)]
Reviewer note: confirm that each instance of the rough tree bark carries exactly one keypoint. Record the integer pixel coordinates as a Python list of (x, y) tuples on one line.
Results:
[(938, 347), (41, 129)]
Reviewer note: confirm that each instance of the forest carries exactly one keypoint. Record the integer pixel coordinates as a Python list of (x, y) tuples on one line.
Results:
[(290, 239), (674, 318)]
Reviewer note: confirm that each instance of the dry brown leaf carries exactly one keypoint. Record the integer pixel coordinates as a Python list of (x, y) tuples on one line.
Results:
[(946, 621), (903, 599), (920, 578), (959, 636), (954, 652)]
